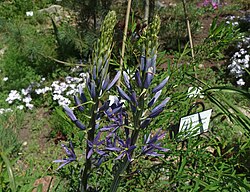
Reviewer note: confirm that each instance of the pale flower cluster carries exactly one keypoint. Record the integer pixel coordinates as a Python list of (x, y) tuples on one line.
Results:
[(231, 19), (61, 91), (240, 61)]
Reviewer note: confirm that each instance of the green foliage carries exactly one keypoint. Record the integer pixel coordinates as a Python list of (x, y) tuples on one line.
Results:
[(221, 35), (173, 34), (9, 146), (229, 108), (17, 8), (23, 61), (9, 125)]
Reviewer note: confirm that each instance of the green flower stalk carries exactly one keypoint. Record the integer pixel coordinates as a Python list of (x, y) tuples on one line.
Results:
[(111, 130), (99, 74), (143, 77)]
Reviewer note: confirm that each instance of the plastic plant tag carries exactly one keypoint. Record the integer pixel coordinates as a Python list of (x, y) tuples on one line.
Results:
[(195, 124)]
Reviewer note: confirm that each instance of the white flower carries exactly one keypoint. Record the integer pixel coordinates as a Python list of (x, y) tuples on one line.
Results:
[(72, 86), (68, 79), (39, 91), (71, 92), (82, 75), (46, 89), (13, 95), (1, 111), (27, 99), (29, 105), (20, 107), (240, 82), (64, 101), (5, 79), (56, 97)]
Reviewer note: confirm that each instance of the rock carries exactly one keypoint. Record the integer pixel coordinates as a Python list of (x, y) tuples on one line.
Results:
[(53, 9)]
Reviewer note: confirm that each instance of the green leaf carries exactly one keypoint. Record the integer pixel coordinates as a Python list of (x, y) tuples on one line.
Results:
[(10, 172)]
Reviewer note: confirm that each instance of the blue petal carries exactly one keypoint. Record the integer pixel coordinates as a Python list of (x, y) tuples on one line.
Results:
[(80, 125), (154, 99), (145, 123), (163, 104), (70, 113), (149, 77), (126, 80), (78, 103), (138, 78), (123, 94), (161, 85), (117, 76)]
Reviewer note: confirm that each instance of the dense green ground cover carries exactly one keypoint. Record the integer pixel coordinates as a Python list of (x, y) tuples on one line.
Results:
[(44, 61)]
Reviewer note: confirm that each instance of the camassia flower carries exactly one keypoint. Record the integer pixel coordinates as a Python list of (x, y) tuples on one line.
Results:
[(125, 148), (70, 153), (152, 144), (116, 115), (94, 146)]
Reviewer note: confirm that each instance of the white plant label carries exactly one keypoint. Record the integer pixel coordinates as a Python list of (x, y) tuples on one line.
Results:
[(195, 124)]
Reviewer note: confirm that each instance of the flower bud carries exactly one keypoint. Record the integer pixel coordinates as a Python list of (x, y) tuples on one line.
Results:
[(154, 99), (117, 76), (160, 106), (78, 103), (123, 94), (105, 82), (142, 66), (138, 78), (70, 113), (161, 85), (92, 89), (145, 123), (149, 77), (80, 125), (126, 80)]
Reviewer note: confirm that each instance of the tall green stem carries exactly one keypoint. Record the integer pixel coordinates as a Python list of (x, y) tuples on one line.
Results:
[(125, 162), (90, 136)]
